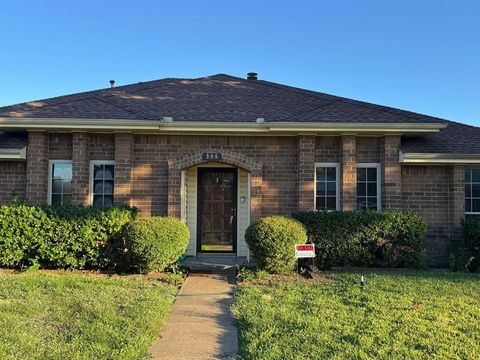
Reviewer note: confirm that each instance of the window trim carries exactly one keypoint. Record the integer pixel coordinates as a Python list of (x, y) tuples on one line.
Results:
[(378, 166), (90, 176), (337, 181), (50, 173), (471, 197)]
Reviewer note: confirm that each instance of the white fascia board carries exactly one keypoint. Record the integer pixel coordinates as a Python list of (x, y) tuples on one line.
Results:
[(13, 154), (438, 158), (161, 126)]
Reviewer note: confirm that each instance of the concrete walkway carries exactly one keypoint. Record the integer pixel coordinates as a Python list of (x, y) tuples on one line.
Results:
[(200, 327)]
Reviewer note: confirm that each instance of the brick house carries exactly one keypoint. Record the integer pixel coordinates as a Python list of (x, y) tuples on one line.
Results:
[(221, 151)]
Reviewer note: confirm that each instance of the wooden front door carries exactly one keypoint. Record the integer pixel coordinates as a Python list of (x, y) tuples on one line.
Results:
[(217, 210)]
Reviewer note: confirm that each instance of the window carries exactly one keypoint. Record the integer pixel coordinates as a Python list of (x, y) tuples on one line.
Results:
[(60, 182), (472, 191), (102, 175), (368, 187), (327, 186)]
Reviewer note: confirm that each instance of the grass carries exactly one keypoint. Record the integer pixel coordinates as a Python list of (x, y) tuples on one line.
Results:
[(77, 316), (424, 315)]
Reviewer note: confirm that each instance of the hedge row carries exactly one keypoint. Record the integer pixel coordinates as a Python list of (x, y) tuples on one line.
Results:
[(60, 237), (366, 238), (464, 251), (78, 237)]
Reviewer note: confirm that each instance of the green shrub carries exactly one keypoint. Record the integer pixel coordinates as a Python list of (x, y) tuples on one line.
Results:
[(83, 237), (471, 233), (339, 236), (152, 244), (366, 238), (59, 237), (405, 234), (464, 250), (22, 230), (271, 241)]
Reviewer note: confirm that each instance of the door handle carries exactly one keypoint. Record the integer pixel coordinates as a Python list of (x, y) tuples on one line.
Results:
[(233, 214)]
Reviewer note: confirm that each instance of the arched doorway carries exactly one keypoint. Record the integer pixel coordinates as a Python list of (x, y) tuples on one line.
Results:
[(217, 199)]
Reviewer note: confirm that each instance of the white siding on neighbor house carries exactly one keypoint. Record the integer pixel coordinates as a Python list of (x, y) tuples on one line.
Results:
[(191, 208), (189, 213), (243, 220)]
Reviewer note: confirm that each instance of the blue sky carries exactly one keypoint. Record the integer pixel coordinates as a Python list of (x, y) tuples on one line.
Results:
[(420, 55)]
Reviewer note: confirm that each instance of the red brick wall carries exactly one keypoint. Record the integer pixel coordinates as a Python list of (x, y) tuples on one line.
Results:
[(306, 172), (36, 188), (457, 198), (328, 149), (286, 174), (123, 169), (426, 189), (12, 180), (278, 155), (59, 146), (368, 149), (348, 186), (81, 168), (391, 173), (101, 146)]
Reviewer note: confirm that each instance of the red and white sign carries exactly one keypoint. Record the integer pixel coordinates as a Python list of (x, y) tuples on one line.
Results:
[(305, 250)]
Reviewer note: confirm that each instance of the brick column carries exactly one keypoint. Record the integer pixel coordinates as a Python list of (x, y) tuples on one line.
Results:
[(256, 195), (306, 173), (349, 173), (457, 198), (391, 173), (174, 190), (123, 169), (80, 168), (36, 191)]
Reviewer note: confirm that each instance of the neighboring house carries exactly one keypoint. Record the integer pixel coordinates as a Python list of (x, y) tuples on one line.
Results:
[(221, 151)]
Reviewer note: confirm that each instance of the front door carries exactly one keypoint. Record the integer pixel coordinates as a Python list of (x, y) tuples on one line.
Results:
[(217, 210)]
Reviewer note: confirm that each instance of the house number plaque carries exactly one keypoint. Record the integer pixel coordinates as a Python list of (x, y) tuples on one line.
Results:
[(212, 156)]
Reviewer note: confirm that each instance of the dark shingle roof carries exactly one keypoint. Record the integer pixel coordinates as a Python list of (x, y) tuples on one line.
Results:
[(225, 98), (456, 138), (221, 98), (17, 140)]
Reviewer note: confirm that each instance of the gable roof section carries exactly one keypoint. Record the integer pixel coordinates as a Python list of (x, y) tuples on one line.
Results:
[(232, 104), (219, 98), (457, 143)]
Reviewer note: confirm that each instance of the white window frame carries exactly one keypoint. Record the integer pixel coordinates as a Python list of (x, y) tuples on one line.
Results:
[(90, 183), (471, 197), (378, 166), (50, 173), (337, 180)]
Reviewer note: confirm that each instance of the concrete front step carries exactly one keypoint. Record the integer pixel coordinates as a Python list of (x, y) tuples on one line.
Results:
[(212, 264)]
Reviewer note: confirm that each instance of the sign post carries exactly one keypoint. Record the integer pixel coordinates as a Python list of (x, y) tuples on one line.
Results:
[(303, 251)]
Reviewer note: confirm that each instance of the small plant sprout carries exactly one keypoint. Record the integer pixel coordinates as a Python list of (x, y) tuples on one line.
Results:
[(362, 281)]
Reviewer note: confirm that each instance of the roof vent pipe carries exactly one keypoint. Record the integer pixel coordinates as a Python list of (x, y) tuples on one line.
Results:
[(112, 83), (252, 76)]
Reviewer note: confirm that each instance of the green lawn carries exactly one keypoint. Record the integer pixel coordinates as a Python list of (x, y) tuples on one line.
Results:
[(424, 315), (75, 316)]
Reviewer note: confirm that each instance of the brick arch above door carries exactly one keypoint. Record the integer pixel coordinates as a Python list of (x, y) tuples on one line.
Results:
[(176, 166)]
